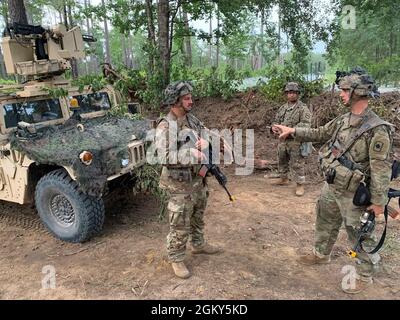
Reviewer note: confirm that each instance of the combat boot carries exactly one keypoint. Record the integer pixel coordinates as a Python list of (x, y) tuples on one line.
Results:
[(280, 182), (205, 249), (359, 285), (312, 259), (180, 270), (299, 190)]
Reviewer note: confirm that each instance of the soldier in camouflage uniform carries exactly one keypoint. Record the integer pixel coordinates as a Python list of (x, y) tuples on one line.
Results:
[(365, 141), (290, 156), (187, 190)]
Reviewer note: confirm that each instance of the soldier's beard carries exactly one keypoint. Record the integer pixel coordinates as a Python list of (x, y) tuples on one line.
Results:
[(187, 109)]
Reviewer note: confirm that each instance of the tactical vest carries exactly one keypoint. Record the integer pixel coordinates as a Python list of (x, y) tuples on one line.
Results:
[(180, 177), (335, 162)]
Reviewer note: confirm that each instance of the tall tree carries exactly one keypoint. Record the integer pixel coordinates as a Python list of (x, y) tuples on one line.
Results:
[(151, 33), (188, 44), (17, 11), (163, 10), (217, 38), (373, 44), (106, 34)]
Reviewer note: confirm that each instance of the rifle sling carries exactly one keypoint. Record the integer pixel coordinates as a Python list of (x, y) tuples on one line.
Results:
[(382, 239), (370, 123)]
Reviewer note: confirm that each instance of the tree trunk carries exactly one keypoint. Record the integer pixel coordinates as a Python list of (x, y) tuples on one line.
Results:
[(188, 44), (130, 51), (95, 62), (163, 38), (74, 62), (262, 37), (88, 31), (217, 53), (391, 40), (29, 16), (123, 47), (279, 35), (151, 35), (65, 16), (70, 19), (106, 36), (211, 37), (17, 11)]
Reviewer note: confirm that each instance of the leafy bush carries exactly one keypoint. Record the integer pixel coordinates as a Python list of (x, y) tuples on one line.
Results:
[(147, 180), (97, 82), (6, 81), (278, 76), (212, 83)]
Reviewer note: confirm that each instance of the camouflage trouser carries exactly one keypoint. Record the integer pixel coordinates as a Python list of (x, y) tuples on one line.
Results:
[(333, 208), (185, 219), (291, 160)]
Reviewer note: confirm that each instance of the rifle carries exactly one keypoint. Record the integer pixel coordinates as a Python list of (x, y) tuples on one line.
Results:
[(367, 219), (212, 168)]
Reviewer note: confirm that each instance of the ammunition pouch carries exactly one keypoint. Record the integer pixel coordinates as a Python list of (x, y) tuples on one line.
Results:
[(362, 197), (342, 177)]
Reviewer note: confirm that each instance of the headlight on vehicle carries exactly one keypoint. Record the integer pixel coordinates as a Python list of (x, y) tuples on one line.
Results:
[(86, 157)]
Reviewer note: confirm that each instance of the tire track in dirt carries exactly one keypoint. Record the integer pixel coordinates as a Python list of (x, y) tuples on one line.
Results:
[(21, 221)]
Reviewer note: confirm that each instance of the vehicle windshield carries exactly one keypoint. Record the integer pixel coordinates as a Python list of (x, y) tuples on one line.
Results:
[(93, 102), (31, 112)]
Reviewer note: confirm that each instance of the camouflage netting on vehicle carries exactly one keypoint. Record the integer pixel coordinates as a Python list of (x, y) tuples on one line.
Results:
[(106, 138)]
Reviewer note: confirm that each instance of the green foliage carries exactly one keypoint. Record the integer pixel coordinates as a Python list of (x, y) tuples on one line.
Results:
[(122, 111), (153, 93), (278, 77), (6, 81), (147, 180), (373, 44), (131, 81), (214, 82), (95, 81), (57, 92)]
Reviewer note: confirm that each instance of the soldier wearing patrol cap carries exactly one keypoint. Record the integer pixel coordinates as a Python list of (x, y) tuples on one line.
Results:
[(291, 153), (357, 154), (187, 190)]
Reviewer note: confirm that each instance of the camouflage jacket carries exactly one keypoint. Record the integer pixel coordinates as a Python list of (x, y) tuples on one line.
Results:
[(371, 153), (297, 114), (293, 115), (180, 167)]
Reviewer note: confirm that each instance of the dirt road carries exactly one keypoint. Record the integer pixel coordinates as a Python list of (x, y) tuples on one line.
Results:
[(261, 234)]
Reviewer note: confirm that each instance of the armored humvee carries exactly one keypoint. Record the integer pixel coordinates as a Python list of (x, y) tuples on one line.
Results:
[(61, 152)]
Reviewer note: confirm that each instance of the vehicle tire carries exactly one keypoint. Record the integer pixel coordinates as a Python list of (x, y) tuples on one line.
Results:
[(68, 213)]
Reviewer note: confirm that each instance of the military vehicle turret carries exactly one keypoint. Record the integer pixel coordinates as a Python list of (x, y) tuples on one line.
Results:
[(59, 147)]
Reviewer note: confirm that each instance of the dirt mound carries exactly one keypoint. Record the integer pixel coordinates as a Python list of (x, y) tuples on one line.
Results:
[(249, 110), (252, 110)]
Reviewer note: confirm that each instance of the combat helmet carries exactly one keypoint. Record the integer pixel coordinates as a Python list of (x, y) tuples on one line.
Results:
[(292, 86), (358, 81), (175, 90)]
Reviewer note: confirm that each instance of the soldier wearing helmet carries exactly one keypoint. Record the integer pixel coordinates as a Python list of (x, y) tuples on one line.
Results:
[(291, 153), (356, 157), (181, 159)]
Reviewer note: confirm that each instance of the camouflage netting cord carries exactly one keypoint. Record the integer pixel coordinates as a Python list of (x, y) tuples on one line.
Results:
[(106, 138)]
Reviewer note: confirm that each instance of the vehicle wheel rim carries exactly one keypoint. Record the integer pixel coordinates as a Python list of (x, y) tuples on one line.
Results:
[(62, 210)]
